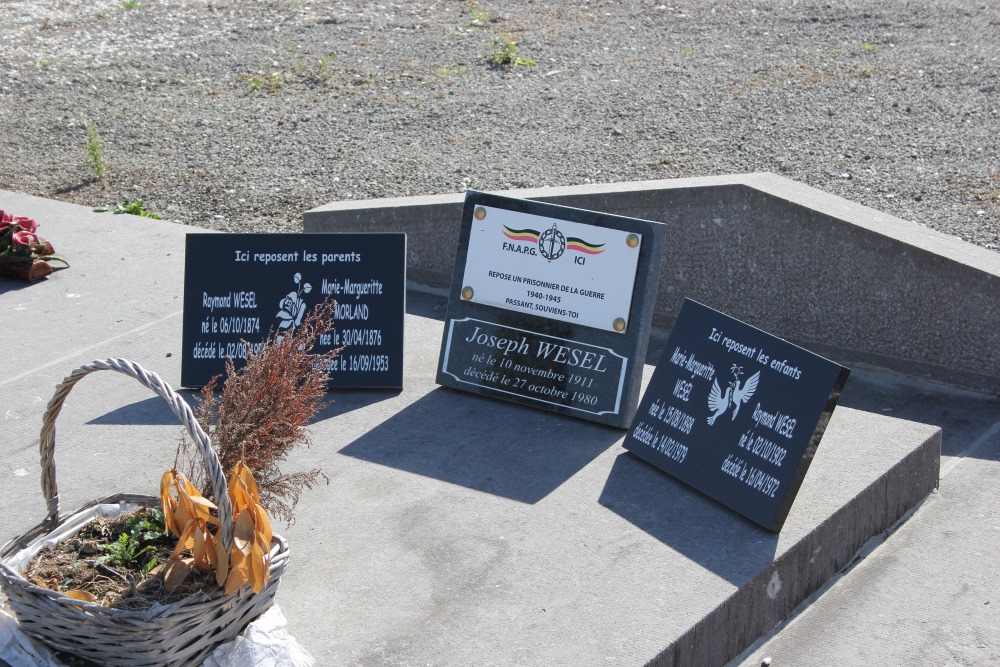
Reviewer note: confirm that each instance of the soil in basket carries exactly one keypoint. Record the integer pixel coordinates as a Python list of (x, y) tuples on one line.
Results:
[(87, 563)]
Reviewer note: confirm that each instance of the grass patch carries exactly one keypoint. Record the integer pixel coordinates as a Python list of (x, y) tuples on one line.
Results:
[(480, 17), (314, 72), (505, 53), (452, 71), (271, 83), (95, 152), (310, 72)]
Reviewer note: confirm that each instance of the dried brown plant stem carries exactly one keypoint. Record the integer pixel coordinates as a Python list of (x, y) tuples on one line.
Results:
[(263, 409)]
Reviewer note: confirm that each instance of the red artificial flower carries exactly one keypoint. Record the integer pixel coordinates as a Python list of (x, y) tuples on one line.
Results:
[(25, 223), (22, 253), (25, 238)]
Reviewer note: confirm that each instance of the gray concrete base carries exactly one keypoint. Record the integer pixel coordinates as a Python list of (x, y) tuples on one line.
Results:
[(942, 613), (455, 530), (490, 534), (843, 280)]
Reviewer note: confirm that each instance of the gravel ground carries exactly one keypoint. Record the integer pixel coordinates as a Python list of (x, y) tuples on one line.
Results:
[(243, 114)]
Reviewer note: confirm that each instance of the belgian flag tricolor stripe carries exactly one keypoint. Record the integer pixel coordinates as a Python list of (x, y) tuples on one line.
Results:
[(580, 245), (527, 235)]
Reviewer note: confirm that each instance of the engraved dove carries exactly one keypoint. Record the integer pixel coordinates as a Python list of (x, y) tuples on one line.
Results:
[(742, 394), (717, 401)]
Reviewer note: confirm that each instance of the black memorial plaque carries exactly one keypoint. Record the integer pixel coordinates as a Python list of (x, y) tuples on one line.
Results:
[(551, 307), (240, 287), (736, 412)]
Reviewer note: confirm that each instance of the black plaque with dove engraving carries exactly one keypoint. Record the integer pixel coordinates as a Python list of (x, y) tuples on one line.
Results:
[(735, 412)]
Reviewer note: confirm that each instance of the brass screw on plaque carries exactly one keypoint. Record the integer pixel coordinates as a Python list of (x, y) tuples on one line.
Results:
[(632, 240), (467, 293), (480, 213), (619, 324)]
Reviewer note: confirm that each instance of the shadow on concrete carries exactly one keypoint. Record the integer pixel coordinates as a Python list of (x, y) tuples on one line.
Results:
[(426, 304), (965, 417), (12, 285), (342, 401), (154, 411), (490, 446), (689, 522)]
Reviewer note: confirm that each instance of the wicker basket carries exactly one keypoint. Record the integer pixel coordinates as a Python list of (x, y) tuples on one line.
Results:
[(182, 633)]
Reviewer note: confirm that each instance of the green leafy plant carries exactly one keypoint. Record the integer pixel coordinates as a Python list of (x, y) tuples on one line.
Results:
[(135, 208), (146, 529), (504, 53), (131, 4), (95, 151), (311, 71), (135, 542), (867, 46), (478, 15), (316, 71), (126, 551)]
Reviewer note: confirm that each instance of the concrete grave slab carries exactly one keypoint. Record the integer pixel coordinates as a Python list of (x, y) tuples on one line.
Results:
[(455, 529), (461, 530)]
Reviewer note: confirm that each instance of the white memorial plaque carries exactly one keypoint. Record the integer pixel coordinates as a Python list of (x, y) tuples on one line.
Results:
[(568, 271), (551, 307)]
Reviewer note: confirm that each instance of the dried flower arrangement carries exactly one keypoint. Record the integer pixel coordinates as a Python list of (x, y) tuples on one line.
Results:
[(260, 415), (263, 409), (188, 515)]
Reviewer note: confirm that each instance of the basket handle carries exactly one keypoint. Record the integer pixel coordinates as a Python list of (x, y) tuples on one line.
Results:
[(180, 408)]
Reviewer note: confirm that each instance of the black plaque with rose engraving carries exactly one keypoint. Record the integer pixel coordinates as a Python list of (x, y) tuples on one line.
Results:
[(735, 412), (240, 287)]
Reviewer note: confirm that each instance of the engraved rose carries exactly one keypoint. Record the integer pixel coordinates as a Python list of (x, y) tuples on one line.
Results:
[(292, 307)]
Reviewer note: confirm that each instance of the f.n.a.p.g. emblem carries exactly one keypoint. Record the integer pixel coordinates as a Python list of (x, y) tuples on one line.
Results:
[(523, 259), (552, 243)]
